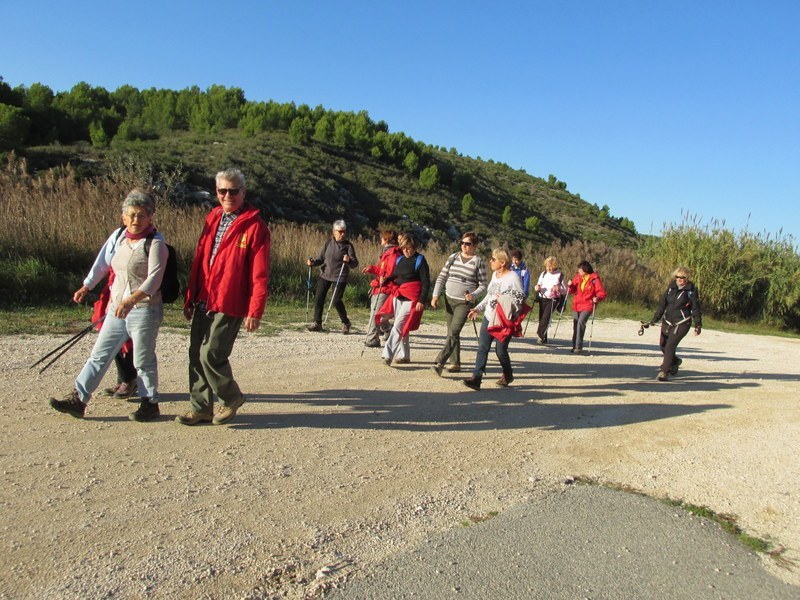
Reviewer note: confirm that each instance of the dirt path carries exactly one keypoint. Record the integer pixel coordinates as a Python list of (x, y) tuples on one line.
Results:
[(338, 461)]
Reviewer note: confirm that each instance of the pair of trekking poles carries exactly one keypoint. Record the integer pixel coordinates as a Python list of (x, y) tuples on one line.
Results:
[(558, 322), (65, 347), (333, 295)]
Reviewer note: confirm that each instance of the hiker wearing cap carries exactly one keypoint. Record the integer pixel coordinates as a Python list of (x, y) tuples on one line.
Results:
[(679, 307), (138, 256)]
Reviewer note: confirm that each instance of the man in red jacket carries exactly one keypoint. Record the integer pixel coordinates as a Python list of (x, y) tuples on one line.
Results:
[(227, 287)]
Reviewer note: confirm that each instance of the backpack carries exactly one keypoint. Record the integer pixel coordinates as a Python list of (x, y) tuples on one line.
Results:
[(170, 284), (417, 261)]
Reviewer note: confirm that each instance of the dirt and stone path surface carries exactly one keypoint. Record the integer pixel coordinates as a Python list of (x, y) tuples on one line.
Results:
[(338, 463)]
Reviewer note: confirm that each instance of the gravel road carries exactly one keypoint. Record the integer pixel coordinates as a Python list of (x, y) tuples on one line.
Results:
[(337, 462)]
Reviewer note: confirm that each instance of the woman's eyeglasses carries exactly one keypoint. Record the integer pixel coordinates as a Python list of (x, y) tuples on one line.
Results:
[(229, 191), (680, 277)]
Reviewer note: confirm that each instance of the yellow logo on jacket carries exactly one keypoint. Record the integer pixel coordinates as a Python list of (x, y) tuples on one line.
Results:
[(243, 241)]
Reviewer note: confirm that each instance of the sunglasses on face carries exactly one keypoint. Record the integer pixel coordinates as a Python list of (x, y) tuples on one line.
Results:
[(680, 277), (467, 244), (229, 191)]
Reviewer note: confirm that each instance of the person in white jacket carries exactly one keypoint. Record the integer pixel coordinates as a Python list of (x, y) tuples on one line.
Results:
[(550, 290)]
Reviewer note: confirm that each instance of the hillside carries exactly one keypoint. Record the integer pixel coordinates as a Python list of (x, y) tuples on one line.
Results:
[(317, 182)]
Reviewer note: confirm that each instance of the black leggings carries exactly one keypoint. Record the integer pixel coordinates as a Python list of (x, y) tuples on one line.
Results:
[(323, 285)]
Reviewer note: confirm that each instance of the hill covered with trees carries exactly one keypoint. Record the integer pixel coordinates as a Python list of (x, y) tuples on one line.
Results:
[(304, 165)]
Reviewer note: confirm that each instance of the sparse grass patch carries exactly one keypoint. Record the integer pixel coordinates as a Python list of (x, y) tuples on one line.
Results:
[(725, 521)]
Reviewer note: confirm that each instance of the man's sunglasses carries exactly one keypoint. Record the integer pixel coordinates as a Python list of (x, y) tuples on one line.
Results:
[(230, 191)]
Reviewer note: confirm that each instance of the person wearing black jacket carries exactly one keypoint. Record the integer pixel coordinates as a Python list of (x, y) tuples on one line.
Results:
[(336, 258), (679, 307)]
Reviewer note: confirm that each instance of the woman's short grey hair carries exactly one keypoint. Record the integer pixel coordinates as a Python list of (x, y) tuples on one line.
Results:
[(140, 199), (235, 176), (340, 224)]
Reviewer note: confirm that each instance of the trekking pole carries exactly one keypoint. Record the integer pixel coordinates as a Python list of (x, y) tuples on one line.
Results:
[(333, 295), (308, 290), (561, 313), (68, 344), (528, 320), (591, 327), (371, 319)]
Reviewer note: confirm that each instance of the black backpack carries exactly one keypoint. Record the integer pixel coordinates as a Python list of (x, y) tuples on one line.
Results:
[(170, 285)]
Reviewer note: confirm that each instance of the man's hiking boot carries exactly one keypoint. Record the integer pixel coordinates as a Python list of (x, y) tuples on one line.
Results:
[(147, 411), (473, 383), (193, 418), (71, 404), (226, 413), (315, 327)]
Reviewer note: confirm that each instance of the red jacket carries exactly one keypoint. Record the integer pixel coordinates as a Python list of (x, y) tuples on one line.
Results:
[(582, 293), (384, 268), (236, 283)]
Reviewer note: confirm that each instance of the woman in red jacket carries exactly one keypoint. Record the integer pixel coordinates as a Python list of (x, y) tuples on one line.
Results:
[(586, 290)]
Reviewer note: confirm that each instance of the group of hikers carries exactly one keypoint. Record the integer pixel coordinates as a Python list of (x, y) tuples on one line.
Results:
[(228, 283)]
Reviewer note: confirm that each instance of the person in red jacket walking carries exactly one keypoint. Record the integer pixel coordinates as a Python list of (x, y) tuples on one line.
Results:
[(390, 251), (586, 290), (227, 288)]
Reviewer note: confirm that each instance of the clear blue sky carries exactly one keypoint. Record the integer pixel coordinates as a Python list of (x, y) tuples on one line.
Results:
[(651, 108)]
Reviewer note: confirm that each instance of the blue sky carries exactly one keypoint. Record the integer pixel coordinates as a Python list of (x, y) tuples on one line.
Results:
[(654, 109)]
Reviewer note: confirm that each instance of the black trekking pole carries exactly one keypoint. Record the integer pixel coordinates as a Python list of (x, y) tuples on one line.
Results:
[(528, 320), (65, 346), (308, 290)]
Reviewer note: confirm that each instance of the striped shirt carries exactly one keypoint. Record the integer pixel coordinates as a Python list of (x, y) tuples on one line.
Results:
[(461, 276)]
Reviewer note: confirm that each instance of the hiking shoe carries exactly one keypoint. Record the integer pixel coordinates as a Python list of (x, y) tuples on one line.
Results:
[(473, 383), (577, 350), (110, 391), (193, 418), (504, 381), (71, 404), (372, 344), (345, 328), (403, 361), (387, 361), (147, 411), (662, 376), (543, 340), (437, 368), (454, 369), (226, 413), (126, 389), (315, 327), (674, 368)]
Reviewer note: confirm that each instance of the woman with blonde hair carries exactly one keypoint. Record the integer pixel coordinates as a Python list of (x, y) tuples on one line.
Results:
[(550, 289), (679, 306), (503, 310)]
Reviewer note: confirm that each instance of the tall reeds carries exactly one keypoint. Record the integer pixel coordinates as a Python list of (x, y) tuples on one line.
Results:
[(52, 224)]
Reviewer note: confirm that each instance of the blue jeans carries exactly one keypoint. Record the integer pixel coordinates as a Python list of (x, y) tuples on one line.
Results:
[(500, 349), (141, 325)]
